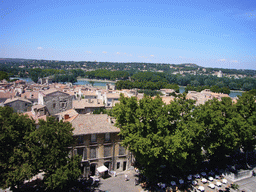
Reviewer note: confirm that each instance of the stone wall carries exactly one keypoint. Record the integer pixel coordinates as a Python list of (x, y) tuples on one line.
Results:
[(57, 102), (19, 106)]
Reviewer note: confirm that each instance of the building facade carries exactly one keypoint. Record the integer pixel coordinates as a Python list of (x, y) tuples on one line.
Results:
[(18, 104), (55, 101), (99, 144)]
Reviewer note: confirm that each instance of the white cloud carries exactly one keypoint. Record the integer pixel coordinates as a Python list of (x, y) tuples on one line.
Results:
[(88, 52), (234, 61), (117, 53), (39, 48), (180, 57), (152, 55), (222, 60), (104, 52)]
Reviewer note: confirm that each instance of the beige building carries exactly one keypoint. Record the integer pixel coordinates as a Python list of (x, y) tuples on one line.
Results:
[(205, 95), (83, 106), (98, 143), (110, 99)]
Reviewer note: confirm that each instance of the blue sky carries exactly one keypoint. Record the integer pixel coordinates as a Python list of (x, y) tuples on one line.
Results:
[(210, 33)]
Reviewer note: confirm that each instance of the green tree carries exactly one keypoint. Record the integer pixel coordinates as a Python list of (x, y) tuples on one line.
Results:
[(217, 120), (246, 129), (4, 75), (253, 92), (51, 154), (16, 164), (65, 176), (153, 132)]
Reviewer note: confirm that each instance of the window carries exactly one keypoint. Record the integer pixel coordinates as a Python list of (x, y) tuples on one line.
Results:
[(107, 151), (63, 104), (82, 152), (121, 150), (93, 138), (80, 140), (54, 105), (117, 165), (93, 153), (107, 136)]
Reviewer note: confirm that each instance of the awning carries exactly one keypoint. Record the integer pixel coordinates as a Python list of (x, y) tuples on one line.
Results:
[(102, 169)]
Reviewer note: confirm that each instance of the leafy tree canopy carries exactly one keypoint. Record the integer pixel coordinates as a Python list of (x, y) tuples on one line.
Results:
[(16, 164), (153, 132), (4, 75), (27, 151), (51, 141)]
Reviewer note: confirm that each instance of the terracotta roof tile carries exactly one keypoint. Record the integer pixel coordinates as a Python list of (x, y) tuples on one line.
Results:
[(92, 123), (35, 117), (70, 112), (7, 94), (113, 95), (85, 103), (38, 106), (16, 99), (30, 94)]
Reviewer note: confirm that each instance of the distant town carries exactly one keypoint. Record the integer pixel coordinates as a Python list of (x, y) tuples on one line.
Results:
[(101, 117)]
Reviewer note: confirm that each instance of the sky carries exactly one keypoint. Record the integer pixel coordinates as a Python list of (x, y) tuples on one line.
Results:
[(209, 33)]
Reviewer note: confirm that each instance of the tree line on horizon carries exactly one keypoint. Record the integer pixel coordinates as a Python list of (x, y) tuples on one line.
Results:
[(117, 66)]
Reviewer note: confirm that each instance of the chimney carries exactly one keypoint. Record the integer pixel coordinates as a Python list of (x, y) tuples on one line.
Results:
[(110, 119), (66, 116)]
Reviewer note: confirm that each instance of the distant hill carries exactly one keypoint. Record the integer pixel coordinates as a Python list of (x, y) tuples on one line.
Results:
[(118, 66)]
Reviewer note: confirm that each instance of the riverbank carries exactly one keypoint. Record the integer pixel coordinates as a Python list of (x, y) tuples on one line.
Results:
[(95, 80)]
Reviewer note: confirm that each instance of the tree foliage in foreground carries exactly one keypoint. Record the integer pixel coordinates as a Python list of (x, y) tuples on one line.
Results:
[(27, 151), (180, 135), (153, 131), (217, 120), (51, 141), (246, 109), (15, 157)]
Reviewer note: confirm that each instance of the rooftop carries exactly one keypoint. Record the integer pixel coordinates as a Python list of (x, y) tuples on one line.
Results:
[(84, 124), (17, 99)]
